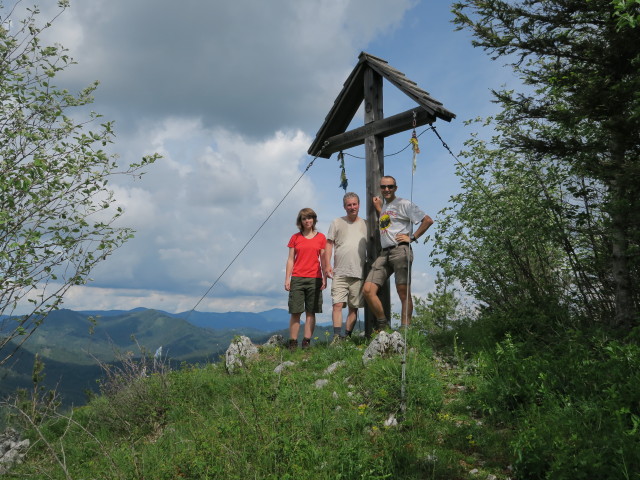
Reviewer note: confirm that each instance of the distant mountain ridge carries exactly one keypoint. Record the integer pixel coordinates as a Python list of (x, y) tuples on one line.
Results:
[(72, 343), (267, 321), (77, 336)]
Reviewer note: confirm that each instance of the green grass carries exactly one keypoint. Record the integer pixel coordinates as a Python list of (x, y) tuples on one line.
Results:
[(202, 423), (496, 413)]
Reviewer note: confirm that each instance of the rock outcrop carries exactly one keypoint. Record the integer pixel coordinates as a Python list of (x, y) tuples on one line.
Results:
[(12, 449), (240, 350), (383, 345), (275, 341)]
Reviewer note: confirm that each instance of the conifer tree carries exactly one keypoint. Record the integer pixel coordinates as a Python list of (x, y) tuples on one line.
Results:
[(579, 62)]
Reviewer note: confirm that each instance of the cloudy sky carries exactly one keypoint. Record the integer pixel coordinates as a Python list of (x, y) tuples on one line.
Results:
[(232, 93)]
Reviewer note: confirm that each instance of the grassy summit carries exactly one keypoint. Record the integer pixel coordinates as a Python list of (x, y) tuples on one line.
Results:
[(508, 410)]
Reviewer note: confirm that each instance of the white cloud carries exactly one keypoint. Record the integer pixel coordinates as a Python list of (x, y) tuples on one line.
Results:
[(95, 298), (254, 66), (231, 94), (194, 213)]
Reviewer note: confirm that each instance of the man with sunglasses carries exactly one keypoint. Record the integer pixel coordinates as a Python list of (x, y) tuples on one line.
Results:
[(396, 218)]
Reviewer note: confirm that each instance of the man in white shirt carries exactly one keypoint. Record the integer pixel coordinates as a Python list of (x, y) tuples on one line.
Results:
[(347, 241), (397, 217)]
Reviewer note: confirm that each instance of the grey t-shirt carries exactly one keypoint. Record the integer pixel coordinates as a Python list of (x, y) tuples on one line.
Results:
[(396, 217), (349, 246)]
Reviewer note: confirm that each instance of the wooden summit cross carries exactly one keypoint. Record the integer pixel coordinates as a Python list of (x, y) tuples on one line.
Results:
[(365, 84)]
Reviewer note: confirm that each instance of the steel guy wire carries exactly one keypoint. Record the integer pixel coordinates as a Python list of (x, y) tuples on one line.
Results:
[(258, 230)]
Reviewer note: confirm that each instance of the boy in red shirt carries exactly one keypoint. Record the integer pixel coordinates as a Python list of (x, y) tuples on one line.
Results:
[(304, 278)]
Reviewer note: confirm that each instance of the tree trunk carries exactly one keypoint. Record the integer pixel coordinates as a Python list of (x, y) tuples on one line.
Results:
[(625, 315)]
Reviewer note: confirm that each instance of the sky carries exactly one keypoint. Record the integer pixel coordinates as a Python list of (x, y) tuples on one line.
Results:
[(231, 94)]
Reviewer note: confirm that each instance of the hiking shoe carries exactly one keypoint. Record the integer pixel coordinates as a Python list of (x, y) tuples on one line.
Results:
[(293, 344), (306, 342), (382, 324), (336, 339)]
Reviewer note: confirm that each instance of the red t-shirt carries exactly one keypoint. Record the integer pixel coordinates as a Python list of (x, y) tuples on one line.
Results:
[(306, 260)]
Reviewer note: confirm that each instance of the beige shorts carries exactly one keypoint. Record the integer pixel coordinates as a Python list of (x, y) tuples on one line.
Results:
[(347, 290), (397, 260)]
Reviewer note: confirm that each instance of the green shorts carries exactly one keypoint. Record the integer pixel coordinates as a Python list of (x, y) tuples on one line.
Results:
[(305, 295), (397, 260)]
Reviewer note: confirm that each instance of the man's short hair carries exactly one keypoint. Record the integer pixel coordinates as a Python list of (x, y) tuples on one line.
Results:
[(350, 195), (389, 176)]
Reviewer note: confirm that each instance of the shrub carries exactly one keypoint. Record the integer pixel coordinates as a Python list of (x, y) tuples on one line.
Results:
[(574, 404)]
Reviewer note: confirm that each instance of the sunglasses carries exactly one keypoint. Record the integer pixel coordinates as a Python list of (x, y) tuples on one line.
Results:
[(385, 187)]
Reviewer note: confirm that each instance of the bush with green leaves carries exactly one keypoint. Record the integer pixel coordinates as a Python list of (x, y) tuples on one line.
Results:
[(549, 212), (56, 210), (574, 404)]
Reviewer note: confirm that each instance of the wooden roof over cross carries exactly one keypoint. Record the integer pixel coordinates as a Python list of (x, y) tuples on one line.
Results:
[(352, 95)]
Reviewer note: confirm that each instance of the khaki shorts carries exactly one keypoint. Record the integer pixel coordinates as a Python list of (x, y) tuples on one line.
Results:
[(397, 260), (305, 295), (347, 290)]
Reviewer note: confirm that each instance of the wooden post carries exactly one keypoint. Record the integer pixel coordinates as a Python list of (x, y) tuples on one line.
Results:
[(365, 84), (374, 152)]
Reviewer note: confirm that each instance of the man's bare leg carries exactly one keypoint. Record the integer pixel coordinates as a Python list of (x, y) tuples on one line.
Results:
[(351, 320), (336, 315), (370, 291), (407, 304)]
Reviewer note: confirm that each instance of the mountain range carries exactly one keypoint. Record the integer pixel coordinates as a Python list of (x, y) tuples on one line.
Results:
[(72, 344)]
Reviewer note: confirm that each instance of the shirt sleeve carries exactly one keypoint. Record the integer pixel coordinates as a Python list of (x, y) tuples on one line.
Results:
[(332, 231), (415, 214), (292, 241)]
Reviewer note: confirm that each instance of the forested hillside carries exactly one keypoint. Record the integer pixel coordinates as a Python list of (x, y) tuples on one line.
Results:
[(73, 345)]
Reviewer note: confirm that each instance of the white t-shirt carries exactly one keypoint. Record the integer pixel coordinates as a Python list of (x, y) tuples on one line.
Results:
[(349, 246), (396, 217)]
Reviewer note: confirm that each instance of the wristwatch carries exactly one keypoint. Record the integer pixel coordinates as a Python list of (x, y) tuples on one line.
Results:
[(413, 238)]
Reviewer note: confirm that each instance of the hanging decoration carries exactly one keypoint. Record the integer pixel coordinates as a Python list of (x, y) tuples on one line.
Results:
[(416, 149), (414, 144), (344, 183)]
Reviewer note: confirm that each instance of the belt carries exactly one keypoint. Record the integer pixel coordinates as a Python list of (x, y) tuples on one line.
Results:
[(394, 246)]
